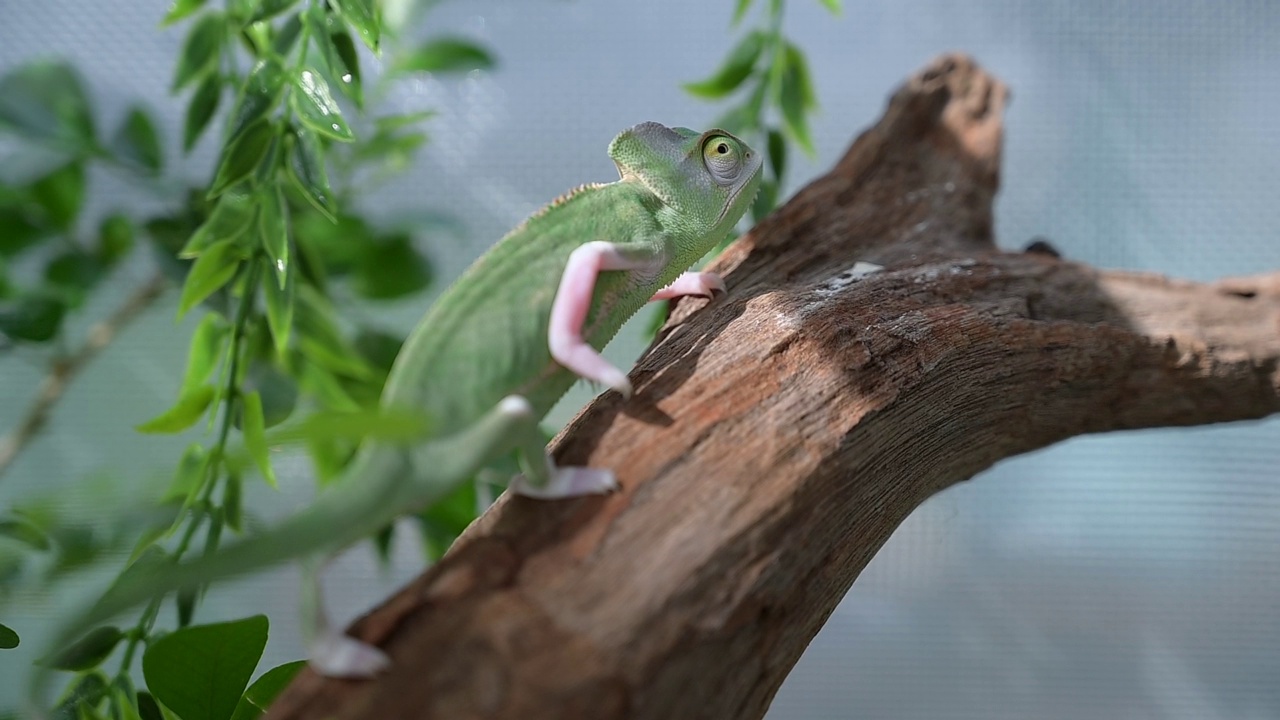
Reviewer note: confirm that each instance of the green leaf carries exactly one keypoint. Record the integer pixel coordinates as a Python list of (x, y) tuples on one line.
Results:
[(740, 11), (184, 604), (243, 155), (765, 200), (378, 347), (90, 688), (181, 9), (392, 268), (45, 101), (32, 317), (203, 105), (206, 348), (315, 107), (442, 522), (445, 55), (201, 49), (260, 94), (393, 425), (137, 142), (344, 65), (279, 303), (230, 218), (265, 173), (255, 438), (736, 68), (184, 413), (362, 16), (18, 230), (777, 154), (832, 5), (189, 476), (200, 672), (287, 35), (26, 532), (115, 239), (321, 341), (60, 194), (270, 8), (233, 499), (8, 638), (797, 63), (148, 708), (87, 652), (306, 169), (273, 224), (74, 273), (265, 689), (792, 99), (213, 269), (124, 706)]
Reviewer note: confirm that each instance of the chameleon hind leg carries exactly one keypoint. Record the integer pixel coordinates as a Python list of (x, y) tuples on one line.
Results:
[(545, 480), (331, 652)]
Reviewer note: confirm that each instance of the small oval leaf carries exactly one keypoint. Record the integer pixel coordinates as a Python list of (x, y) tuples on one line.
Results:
[(203, 105), (60, 194), (316, 108), (137, 142), (201, 49), (777, 154), (184, 413), (8, 638), (230, 217), (260, 94), (213, 269), (279, 303), (205, 350), (306, 169), (181, 9), (255, 438), (736, 68), (243, 155), (273, 224), (25, 532), (344, 65), (200, 672), (32, 317), (87, 652), (362, 16), (792, 101), (46, 101), (444, 55)]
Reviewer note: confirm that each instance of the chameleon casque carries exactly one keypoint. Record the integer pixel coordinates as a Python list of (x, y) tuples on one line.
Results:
[(494, 353)]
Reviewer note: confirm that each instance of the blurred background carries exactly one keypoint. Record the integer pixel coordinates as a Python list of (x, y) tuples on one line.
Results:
[(1134, 575)]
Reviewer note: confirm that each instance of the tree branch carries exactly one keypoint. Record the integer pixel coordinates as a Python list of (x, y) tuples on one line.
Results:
[(64, 369), (780, 434)]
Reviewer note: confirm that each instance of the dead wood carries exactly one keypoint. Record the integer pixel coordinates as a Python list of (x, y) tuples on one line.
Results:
[(781, 433)]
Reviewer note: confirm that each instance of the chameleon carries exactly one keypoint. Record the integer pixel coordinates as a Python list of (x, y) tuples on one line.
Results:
[(493, 354)]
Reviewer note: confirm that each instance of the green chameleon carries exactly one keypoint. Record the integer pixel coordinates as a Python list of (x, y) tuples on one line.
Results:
[(494, 354)]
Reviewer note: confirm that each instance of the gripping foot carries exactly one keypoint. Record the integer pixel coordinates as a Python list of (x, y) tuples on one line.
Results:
[(342, 656), (566, 482)]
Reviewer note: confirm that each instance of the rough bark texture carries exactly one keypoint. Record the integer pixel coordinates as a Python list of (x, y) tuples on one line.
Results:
[(779, 435)]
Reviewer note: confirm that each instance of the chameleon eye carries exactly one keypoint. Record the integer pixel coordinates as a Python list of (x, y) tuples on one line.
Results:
[(722, 158)]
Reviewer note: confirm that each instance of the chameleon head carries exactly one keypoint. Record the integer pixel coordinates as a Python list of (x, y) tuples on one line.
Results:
[(706, 180)]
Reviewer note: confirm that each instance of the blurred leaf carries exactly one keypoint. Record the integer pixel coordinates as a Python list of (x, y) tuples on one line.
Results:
[(255, 439), (287, 35), (243, 155), (736, 68), (31, 317), (279, 301), (200, 672), (740, 11), (314, 106), (792, 100), (265, 173), (184, 604), (26, 532), (233, 499), (804, 79), (445, 519), (148, 708), (45, 101), (181, 9), (259, 96), (273, 223), (184, 413), (229, 219), (279, 391), (319, 337), (115, 238), (832, 5), (378, 347), (306, 169), (201, 49), (17, 231), (137, 142), (73, 273), (264, 690), (87, 652), (60, 194), (321, 383), (123, 705), (205, 351), (362, 16), (270, 8), (393, 425), (213, 269), (445, 54), (203, 105), (188, 477), (777, 154), (392, 268), (342, 244), (90, 688), (8, 638)]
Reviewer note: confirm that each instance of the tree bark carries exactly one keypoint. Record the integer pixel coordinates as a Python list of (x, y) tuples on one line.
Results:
[(779, 434)]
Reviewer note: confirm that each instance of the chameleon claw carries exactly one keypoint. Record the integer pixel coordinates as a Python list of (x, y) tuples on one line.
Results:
[(704, 284), (567, 482)]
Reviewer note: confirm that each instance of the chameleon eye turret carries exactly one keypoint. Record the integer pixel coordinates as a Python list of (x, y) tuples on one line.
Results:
[(723, 158)]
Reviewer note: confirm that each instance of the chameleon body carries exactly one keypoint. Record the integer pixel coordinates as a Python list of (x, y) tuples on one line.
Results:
[(497, 350)]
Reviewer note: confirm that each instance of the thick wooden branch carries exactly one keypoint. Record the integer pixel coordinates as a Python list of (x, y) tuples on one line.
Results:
[(779, 435)]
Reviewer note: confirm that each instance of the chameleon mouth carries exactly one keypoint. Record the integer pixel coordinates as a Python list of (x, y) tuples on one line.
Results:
[(733, 197)]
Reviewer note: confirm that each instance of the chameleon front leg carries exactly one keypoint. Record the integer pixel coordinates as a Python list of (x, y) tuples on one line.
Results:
[(332, 652), (573, 301)]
